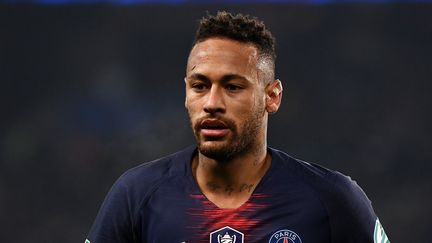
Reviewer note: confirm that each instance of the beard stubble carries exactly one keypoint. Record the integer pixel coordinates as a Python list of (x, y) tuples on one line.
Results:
[(242, 140)]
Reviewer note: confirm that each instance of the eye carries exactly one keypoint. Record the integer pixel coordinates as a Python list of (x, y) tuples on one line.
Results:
[(233, 87), (198, 86)]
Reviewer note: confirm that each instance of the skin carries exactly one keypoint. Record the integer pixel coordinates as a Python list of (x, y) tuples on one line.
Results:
[(228, 104)]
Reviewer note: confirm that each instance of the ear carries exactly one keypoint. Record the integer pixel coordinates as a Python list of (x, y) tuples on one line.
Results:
[(273, 96), (185, 104)]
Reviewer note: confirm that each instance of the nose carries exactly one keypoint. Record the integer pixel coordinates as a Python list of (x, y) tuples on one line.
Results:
[(214, 100)]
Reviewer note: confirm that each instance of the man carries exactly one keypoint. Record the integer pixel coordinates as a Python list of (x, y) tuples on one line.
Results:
[(231, 187)]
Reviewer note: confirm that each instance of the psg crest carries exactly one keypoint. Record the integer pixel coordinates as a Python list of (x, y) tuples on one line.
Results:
[(285, 236), (226, 235)]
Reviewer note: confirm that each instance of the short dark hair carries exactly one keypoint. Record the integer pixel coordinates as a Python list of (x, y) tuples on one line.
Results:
[(239, 27)]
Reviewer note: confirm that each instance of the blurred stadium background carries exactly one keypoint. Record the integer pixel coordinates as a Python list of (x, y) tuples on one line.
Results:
[(90, 90)]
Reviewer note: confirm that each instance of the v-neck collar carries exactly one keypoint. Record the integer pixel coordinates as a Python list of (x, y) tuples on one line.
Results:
[(196, 191)]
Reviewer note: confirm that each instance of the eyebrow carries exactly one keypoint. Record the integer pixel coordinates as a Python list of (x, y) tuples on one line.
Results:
[(224, 79), (199, 76)]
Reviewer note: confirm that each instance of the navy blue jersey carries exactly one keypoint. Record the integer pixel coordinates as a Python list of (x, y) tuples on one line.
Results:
[(295, 202)]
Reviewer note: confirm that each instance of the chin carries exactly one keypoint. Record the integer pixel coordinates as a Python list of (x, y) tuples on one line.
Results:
[(216, 150), (221, 150)]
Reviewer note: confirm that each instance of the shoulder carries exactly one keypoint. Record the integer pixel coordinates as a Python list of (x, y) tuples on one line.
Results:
[(137, 184), (149, 174), (349, 210), (324, 181), (119, 214)]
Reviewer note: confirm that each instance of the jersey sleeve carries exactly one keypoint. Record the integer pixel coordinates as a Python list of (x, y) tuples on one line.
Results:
[(352, 218), (114, 222)]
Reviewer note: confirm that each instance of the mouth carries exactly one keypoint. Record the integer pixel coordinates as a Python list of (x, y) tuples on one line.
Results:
[(214, 128)]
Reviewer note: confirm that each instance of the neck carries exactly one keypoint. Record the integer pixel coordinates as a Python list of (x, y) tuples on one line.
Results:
[(229, 184)]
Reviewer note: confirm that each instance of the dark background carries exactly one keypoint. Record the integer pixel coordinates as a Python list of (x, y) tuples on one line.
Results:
[(90, 91)]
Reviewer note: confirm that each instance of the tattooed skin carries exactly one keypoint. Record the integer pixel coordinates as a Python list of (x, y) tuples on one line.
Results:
[(229, 190), (245, 187), (213, 186)]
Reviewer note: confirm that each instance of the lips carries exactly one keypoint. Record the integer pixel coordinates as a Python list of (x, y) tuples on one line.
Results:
[(213, 124), (214, 128)]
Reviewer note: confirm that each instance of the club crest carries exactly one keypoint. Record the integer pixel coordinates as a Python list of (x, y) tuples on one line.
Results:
[(285, 236), (226, 235)]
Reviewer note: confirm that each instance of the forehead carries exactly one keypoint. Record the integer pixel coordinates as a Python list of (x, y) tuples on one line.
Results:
[(227, 55)]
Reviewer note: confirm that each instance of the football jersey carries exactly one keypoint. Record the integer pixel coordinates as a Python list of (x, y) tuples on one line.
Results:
[(295, 202)]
